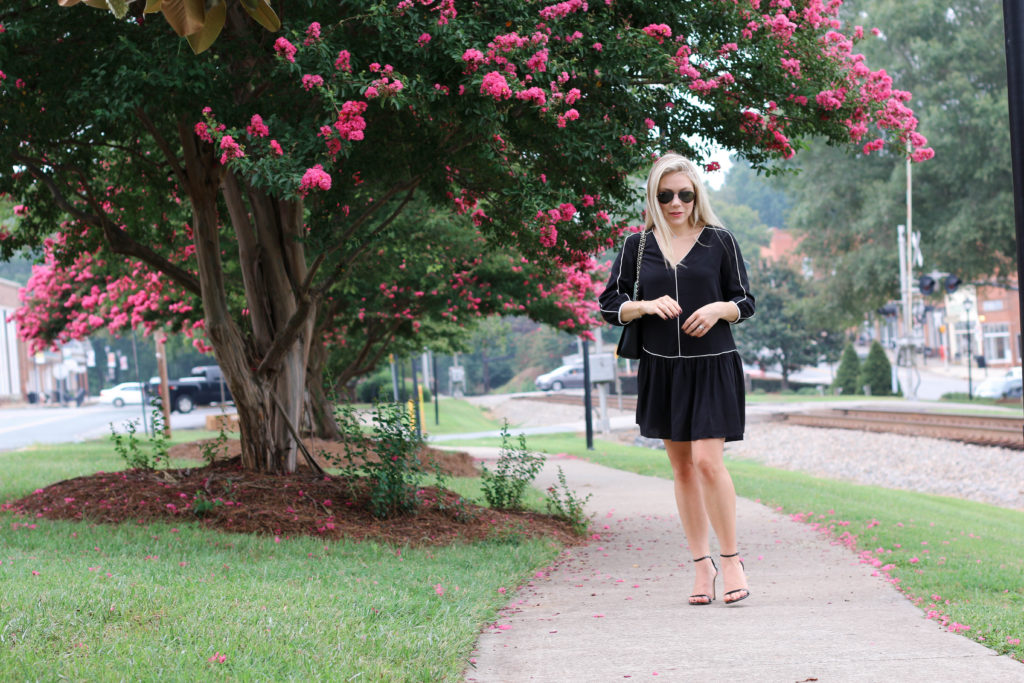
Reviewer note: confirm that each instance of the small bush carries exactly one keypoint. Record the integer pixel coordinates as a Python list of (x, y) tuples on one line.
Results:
[(563, 503), (378, 387), (876, 372), (846, 376), (516, 468)]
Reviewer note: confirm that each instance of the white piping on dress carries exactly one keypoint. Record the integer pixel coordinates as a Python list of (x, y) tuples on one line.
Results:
[(705, 355), (739, 278)]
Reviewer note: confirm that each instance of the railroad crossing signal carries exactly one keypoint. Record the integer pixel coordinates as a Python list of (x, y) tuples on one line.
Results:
[(926, 283)]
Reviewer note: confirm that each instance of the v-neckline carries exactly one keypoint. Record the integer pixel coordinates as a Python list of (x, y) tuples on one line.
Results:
[(683, 257)]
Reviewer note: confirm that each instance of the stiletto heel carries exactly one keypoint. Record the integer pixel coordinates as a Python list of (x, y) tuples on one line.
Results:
[(710, 598), (746, 591)]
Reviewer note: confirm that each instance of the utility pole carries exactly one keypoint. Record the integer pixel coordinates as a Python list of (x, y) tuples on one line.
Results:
[(165, 393)]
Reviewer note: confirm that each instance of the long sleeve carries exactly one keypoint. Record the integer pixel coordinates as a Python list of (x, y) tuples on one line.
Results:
[(735, 285), (619, 289)]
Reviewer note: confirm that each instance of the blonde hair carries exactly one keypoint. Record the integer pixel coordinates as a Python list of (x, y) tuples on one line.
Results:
[(702, 214)]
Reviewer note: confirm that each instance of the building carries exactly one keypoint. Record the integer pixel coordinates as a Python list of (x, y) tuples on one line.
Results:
[(14, 360)]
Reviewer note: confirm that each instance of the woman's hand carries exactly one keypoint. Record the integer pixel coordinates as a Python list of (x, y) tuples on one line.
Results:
[(664, 307), (704, 318)]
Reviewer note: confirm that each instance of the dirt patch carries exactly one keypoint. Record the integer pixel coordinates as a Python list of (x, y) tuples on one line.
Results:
[(330, 454), (222, 496)]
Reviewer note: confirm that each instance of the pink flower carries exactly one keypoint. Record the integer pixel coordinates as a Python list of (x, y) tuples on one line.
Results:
[(597, 46), (203, 132), (423, 39), (344, 61), (285, 49), (870, 147), (218, 658), (370, 93), (315, 178), (256, 127), (1012, 641), (919, 155), (627, 139), (659, 31), (439, 589), (312, 33), (495, 85), (310, 81), (713, 166), (351, 124), (275, 147), (230, 149), (473, 59), (20, 210), (549, 235)]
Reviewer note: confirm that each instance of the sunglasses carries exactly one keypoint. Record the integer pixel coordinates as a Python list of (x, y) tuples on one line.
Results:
[(685, 196)]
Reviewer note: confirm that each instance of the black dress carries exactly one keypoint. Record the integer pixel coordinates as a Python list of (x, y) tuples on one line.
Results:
[(689, 388)]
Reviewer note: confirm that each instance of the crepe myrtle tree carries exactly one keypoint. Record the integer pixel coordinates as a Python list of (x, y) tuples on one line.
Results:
[(293, 150)]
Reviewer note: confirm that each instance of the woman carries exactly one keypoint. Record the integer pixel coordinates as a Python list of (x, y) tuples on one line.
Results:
[(690, 379)]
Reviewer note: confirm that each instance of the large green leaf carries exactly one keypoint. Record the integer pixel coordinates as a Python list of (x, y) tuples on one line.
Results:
[(204, 38), (261, 12), (185, 16)]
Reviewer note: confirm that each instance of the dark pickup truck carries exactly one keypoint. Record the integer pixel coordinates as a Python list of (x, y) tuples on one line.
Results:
[(204, 386)]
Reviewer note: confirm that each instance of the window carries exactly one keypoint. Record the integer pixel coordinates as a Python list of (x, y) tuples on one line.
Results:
[(997, 342), (993, 305)]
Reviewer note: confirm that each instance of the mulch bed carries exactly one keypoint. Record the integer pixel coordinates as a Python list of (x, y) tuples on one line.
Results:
[(222, 496)]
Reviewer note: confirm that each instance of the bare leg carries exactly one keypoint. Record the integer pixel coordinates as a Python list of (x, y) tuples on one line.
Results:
[(720, 502), (692, 513)]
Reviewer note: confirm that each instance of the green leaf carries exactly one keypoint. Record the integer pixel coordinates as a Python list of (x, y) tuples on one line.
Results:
[(205, 37)]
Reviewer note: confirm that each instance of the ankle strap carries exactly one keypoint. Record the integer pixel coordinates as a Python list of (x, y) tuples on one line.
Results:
[(706, 557), (733, 555)]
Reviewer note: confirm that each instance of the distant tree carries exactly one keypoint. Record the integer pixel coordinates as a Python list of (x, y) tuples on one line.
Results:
[(876, 371), (784, 332), (951, 55), (849, 370), (744, 186)]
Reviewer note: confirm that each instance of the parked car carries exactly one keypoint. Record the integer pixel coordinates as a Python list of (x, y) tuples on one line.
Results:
[(1014, 372), (565, 377), (122, 394), (205, 385), (1000, 387)]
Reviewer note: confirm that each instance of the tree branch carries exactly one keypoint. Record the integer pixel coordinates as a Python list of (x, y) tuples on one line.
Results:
[(117, 238), (165, 147)]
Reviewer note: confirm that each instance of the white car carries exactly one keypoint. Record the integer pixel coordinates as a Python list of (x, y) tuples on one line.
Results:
[(122, 394), (999, 387)]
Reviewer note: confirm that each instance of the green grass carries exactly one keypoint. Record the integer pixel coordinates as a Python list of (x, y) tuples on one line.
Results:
[(959, 559), (457, 417), (762, 397), (155, 602)]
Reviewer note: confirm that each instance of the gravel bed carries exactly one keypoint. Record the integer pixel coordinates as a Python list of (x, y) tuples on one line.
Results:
[(912, 463), (948, 468)]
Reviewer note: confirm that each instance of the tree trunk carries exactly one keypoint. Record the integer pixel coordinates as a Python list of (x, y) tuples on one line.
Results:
[(265, 370), (322, 408)]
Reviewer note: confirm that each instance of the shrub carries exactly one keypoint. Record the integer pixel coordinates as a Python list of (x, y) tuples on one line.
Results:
[(377, 387), (847, 374), (876, 372), (562, 502), (395, 475), (516, 468)]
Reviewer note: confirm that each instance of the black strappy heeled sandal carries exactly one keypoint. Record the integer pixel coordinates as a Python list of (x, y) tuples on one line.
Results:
[(710, 598), (725, 598)]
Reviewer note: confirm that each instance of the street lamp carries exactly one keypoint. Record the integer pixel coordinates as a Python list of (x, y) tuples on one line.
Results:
[(968, 304)]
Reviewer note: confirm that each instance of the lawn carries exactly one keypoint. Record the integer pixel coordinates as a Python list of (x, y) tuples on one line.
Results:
[(960, 561), (159, 602)]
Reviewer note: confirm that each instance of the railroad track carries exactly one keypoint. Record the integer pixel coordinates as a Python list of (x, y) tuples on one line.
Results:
[(628, 402), (1007, 432)]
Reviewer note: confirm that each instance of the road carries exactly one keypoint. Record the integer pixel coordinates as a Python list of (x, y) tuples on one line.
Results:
[(24, 426)]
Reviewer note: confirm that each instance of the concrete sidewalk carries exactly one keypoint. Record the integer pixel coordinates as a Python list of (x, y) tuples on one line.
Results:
[(617, 607)]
